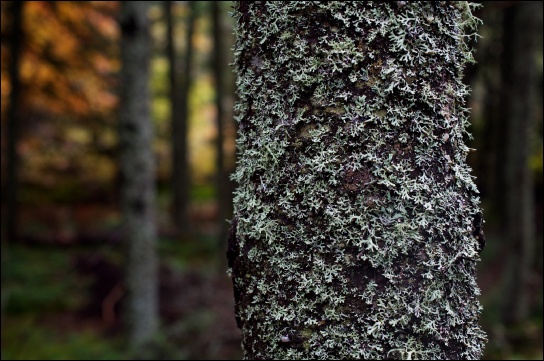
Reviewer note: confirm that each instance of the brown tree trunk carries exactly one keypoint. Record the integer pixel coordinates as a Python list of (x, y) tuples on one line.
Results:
[(137, 168), (180, 101), (218, 70), (13, 129)]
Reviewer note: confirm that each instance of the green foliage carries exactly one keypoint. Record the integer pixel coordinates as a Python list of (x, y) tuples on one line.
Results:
[(182, 256), (203, 192), (44, 298), (24, 338), (42, 282), (42, 291)]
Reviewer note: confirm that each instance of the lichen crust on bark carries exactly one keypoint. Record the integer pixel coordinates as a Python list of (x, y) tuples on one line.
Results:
[(357, 225)]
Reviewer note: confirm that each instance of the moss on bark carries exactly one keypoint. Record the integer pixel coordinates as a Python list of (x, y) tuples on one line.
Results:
[(357, 225)]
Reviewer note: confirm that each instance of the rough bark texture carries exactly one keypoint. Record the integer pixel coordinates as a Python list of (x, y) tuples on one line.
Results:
[(137, 167), (357, 226), (520, 78), (13, 128)]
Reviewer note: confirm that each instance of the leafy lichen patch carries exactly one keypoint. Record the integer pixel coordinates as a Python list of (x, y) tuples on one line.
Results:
[(357, 224)]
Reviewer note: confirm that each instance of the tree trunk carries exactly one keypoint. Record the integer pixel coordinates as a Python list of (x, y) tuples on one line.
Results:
[(519, 89), (13, 128), (180, 165), (137, 167), (179, 205), (218, 67), (357, 226)]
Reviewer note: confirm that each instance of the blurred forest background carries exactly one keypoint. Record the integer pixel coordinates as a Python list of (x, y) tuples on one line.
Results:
[(63, 262)]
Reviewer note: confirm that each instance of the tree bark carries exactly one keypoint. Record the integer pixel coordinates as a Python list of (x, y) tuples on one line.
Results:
[(137, 167), (357, 226), (14, 120), (180, 165), (520, 85)]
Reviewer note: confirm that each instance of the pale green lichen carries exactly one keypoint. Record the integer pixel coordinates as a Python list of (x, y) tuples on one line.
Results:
[(357, 224)]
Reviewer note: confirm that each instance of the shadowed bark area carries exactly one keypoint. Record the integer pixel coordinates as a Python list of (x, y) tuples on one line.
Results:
[(357, 225), (137, 168)]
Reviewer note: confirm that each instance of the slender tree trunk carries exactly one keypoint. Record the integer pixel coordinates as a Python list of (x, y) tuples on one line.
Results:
[(357, 226), (13, 129), (180, 165), (486, 74), (218, 67), (520, 84), (137, 167), (178, 191)]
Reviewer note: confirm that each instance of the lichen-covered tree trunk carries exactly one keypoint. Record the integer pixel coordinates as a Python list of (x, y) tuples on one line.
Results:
[(357, 226), (137, 168)]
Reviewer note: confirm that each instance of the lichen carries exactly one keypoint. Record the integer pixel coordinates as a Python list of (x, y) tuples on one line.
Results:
[(357, 224)]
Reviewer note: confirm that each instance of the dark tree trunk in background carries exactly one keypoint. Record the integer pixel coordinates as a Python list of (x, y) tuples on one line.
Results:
[(520, 86), (357, 225), (13, 128), (179, 168), (485, 97), (222, 185), (137, 167), (180, 165)]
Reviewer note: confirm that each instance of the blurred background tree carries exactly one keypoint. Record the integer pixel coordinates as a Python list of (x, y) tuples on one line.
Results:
[(60, 293), (11, 189), (137, 174), (507, 127), (179, 111)]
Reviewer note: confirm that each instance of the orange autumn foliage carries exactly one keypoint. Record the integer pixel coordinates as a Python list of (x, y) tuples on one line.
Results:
[(68, 69), (69, 57)]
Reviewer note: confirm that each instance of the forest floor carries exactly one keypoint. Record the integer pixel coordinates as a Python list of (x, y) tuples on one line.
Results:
[(63, 299)]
